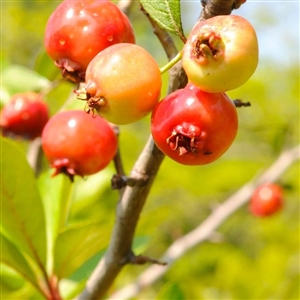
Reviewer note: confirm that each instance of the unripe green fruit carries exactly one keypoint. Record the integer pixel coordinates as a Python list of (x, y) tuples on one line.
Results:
[(221, 53)]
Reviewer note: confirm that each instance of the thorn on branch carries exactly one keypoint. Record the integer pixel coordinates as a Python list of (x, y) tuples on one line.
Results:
[(241, 103), (142, 260), (120, 181)]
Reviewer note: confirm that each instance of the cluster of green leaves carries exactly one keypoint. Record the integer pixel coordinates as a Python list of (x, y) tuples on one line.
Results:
[(37, 235), (50, 226)]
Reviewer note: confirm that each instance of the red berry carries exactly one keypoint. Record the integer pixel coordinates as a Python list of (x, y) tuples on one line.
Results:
[(123, 83), (194, 127), (266, 200), (76, 143), (78, 30), (25, 115), (221, 53)]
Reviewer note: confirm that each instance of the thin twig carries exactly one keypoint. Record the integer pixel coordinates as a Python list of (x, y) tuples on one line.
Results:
[(209, 225), (163, 36), (142, 259), (241, 103)]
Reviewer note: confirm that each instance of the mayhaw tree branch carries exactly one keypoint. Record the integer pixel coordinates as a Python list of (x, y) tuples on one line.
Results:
[(208, 227), (164, 38)]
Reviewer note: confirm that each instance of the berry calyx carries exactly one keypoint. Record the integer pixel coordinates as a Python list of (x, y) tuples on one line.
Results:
[(209, 48), (123, 84), (186, 138)]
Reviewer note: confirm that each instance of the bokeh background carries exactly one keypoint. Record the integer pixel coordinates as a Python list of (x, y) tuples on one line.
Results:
[(250, 257)]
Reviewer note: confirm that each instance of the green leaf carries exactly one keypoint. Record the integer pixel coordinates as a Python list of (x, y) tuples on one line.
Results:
[(56, 193), (86, 269), (70, 289), (22, 214), (11, 256), (75, 245), (171, 290), (10, 280), (167, 15), (16, 79), (45, 66), (140, 244), (13, 286), (4, 97)]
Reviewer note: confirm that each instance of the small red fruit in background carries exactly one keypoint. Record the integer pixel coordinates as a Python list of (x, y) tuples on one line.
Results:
[(194, 127), (78, 30), (123, 84), (76, 143), (266, 200), (221, 53), (25, 116)]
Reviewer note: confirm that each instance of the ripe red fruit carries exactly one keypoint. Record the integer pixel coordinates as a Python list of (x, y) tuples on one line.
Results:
[(266, 200), (123, 83), (221, 53), (194, 127), (78, 30), (25, 115), (76, 143)]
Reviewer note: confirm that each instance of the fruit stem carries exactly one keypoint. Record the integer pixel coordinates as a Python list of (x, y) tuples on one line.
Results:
[(171, 63)]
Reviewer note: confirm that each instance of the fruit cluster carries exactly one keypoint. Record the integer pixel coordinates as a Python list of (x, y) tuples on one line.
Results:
[(93, 44)]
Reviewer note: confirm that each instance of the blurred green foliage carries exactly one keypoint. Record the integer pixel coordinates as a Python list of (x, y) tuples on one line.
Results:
[(253, 258)]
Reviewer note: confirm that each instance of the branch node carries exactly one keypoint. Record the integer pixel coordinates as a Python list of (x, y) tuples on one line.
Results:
[(241, 103), (120, 181), (142, 260)]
